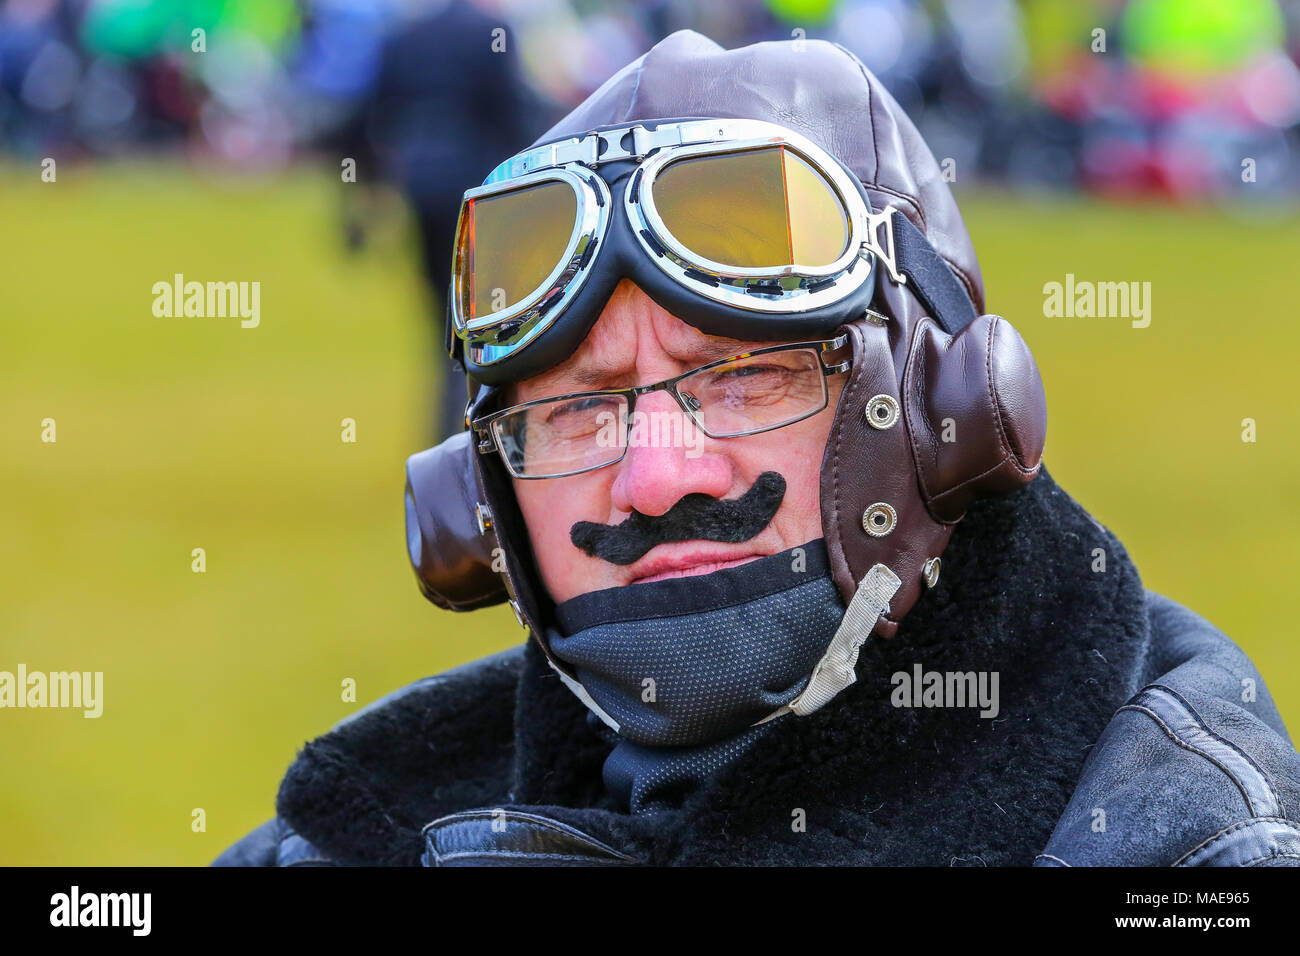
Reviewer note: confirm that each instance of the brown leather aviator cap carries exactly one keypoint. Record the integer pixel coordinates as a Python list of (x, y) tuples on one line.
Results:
[(943, 404)]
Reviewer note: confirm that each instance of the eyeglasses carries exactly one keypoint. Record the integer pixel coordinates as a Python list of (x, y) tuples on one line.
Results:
[(745, 394)]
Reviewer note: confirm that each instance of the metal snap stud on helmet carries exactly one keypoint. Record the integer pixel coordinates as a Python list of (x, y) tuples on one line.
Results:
[(943, 404)]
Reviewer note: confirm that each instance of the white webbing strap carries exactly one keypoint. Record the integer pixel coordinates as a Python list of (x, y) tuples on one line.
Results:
[(834, 671), (581, 693)]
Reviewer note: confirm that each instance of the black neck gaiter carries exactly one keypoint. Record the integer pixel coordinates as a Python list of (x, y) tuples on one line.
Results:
[(686, 666)]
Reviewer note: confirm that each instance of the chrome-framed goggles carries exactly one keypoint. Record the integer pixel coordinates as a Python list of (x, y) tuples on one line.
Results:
[(740, 227)]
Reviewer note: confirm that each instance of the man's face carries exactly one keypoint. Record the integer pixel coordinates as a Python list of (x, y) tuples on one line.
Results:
[(637, 342)]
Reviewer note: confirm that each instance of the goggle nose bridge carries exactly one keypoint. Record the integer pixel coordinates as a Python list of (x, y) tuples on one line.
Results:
[(606, 146)]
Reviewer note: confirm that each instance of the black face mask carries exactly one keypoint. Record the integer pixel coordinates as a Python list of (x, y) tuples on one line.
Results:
[(689, 660), (687, 669)]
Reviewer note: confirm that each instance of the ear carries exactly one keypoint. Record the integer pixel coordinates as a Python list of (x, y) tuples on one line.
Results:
[(450, 552), (976, 413)]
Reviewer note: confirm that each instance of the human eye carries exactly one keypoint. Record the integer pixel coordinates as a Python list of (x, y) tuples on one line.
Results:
[(749, 383), (578, 417), (584, 407), (768, 379), (751, 372)]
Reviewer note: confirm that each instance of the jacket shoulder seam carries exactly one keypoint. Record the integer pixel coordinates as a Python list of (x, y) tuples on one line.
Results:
[(1186, 728), (1275, 837)]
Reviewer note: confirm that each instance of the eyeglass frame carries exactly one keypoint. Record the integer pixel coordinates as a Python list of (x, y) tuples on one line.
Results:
[(489, 441)]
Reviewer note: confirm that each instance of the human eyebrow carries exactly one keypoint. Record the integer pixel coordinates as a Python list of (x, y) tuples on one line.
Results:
[(580, 378), (584, 377), (594, 376), (711, 350)]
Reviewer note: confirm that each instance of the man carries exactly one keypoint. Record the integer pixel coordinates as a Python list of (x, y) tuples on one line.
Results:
[(426, 85), (764, 484)]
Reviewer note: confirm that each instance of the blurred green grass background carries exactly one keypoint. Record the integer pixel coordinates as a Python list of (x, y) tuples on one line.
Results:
[(175, 434)]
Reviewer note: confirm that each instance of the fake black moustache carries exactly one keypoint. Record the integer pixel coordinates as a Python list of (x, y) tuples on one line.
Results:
[(697, 517)]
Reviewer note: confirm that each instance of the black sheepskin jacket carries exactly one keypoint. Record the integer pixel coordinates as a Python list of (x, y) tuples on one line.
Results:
[(1111, 694)]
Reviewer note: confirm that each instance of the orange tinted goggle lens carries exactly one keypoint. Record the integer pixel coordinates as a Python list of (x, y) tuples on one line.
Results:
[(510, 242), (759, 208)]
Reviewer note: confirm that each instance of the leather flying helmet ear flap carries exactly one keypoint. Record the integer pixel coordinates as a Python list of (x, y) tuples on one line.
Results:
[(976, 413), (449, 535), (929, 421)]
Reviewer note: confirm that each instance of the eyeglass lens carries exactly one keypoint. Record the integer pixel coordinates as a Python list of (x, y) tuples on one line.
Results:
[(744, 396)]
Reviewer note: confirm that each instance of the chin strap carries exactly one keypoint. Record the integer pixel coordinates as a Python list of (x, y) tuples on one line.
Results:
[(581, 693), (834, 671)]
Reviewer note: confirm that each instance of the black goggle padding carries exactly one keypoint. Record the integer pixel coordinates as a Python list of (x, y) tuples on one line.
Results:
[(619, 255)]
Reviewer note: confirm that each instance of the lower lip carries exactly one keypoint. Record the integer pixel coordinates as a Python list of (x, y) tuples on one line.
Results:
[(696, 569)]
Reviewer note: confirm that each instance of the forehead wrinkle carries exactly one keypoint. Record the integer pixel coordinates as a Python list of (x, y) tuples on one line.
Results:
[(697, 350), (691, 346), (589, 367), (608, 356), (710, 348)]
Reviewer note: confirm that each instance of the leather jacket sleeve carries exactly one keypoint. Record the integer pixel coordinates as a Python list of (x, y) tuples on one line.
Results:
[(1195, 770), (274, 843)]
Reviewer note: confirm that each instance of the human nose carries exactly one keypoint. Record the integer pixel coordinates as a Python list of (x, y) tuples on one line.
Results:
[(667, 458)]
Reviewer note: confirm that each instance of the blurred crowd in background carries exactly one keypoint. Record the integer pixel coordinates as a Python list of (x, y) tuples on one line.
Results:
[(1168, 100), (1178, 99)]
